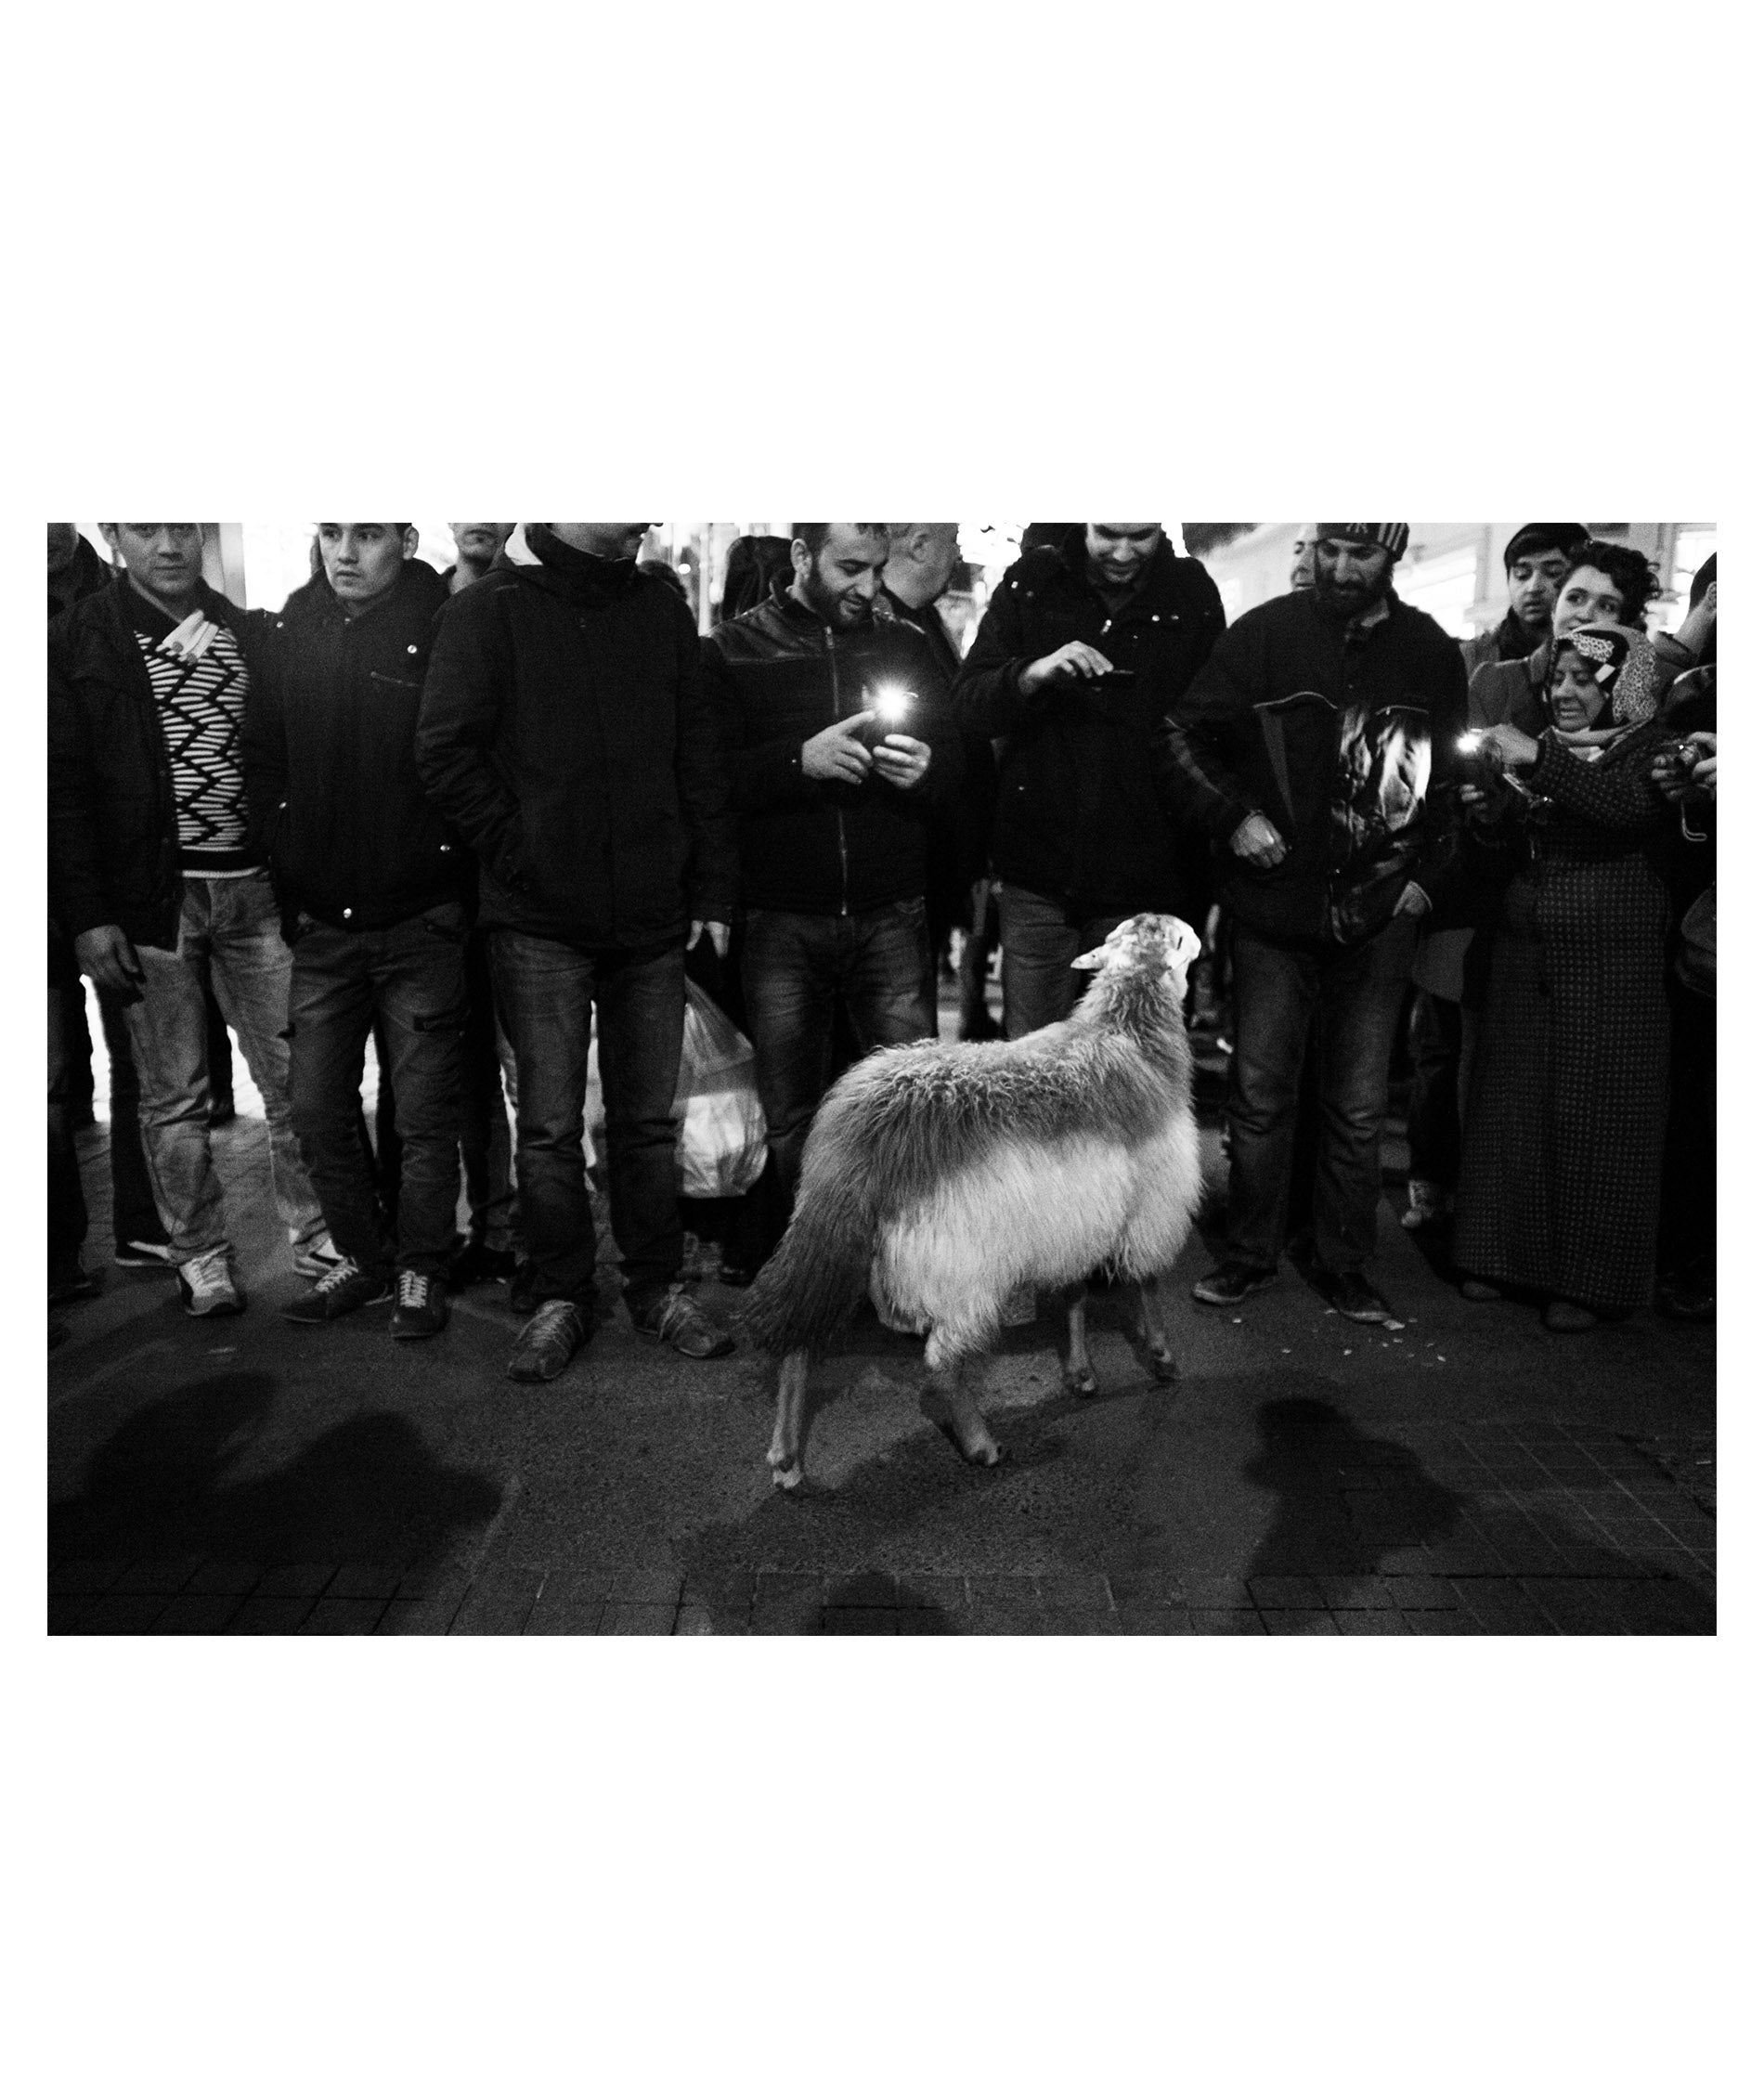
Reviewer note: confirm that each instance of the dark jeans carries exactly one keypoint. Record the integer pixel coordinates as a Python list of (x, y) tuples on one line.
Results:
[(66, 1200), (1357, 994), (412, 977), (1040, 942), (1435, 1045), (484, 1144), (133, 1215), (548, 995), (794, 968)]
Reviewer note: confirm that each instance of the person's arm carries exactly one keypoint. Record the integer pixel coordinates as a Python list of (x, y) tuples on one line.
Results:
[(763, 773), (263, 741), (77, 896), (1201, 752), (932, 725), (470, 680), (1437, 871), (1622, 799), (989, 694), (713, 876)]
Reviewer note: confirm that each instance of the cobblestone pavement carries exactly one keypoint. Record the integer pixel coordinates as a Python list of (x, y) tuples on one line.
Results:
[(1464, 1472)]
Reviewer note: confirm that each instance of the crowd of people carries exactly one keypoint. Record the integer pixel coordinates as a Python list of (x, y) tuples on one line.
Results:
[(484, 817)]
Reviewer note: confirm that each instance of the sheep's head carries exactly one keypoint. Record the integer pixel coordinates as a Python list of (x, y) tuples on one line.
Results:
[(1150, 944)]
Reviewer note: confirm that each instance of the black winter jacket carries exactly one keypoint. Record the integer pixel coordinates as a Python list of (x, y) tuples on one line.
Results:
[(781, 676), (1079, 819), (337, 807), (1346, 740), (566, 731), (113, 848)]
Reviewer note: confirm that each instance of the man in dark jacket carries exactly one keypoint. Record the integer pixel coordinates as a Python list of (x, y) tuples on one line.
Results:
[(838, 736), (1081, 652), (373, 894), (1317, 747), (153, 875), (1540, 556), (566, 731)]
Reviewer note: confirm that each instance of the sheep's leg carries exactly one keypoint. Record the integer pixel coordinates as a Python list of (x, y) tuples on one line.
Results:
[(974, 1439), (1079, 1378), (1164, 1365), (785, 1455)]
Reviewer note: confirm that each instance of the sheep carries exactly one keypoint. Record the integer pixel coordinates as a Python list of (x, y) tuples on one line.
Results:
[(942, 1177)]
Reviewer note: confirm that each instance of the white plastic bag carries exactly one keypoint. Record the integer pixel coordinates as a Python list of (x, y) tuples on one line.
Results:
[(721, 1145)]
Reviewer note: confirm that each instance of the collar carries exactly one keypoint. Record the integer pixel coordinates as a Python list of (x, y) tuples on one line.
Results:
[(580, 574)]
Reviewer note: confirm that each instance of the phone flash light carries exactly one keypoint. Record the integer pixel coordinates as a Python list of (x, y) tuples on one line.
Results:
[(1469, 742), (891, 704)]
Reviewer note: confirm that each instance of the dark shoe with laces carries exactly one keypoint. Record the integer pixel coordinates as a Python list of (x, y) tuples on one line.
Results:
[(421, 1308), (343, 1289), (677, 1321), (1353, 1298), (548, 1342), (1231, 1283)]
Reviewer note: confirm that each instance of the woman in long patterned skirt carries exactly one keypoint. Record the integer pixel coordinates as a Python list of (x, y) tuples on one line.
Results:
[(1560, 1187)]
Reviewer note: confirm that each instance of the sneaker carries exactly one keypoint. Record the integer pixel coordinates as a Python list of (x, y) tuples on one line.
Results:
[(318, 1257), (548, 1342), (338, 1291), (675, 1319), (523, 1289), (143, 1254), (1353, 1298), (421, 1308), (206, 1283), (1231, 1283), (1429, 1205), (476, 1263)]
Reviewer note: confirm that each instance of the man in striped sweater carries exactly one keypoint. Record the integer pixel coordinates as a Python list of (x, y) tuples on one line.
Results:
[(151, 874)]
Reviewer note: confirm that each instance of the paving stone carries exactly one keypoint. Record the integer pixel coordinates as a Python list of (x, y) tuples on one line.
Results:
[(1580, 1607), (500, 1601), (363, 1581), (1306, 1622), (1073, 1591), (695, 1621), (626, 1620), (941, 1591), (1354, 1592), (85, 1577), (1502, 1607), (722, 1591), (572, 1587), (1367, 1624), (1463, 1557), (225, 1577), (1287, 1591), (342, 1615), (155, 1577), (770, 1586), (1405, 1559), (798, 1610), (563, 1620), (270, 1614), (191, 1612), (1220, 1595), (115, 1612), (1422, 1591), (1156, 1586), (65, 1612), (872, 1622), (403, 1617), (1155, 1620), (929, 1623), (1002, 1587), (1227, 1621), (1434, 1623), (1079, 1623), (646, 1584), (436, 1582), (296, 1579), (1663, 1606)]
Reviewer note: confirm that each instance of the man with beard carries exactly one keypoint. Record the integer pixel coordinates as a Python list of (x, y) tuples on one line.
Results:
[(840, 742), (1315, 747), (1539, 558)]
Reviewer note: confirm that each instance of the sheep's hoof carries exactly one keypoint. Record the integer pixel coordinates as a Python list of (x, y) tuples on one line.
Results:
[(988, 1453), (787, 1478), (1082, 1383), (1164, 1366)]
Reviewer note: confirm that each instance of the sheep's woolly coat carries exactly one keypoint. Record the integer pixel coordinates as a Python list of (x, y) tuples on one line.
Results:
[(943, 1176)]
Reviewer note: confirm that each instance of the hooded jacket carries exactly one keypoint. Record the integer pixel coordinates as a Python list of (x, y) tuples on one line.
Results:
[(566, 731), (1078, 816), (113, 844), (780, 675), (337, 806), (1345, 737)]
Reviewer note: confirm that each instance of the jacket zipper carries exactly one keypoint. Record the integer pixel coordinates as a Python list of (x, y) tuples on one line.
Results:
[(838, 815)]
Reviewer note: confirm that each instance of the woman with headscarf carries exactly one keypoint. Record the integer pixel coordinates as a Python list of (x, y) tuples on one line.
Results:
[(1565, 1126)]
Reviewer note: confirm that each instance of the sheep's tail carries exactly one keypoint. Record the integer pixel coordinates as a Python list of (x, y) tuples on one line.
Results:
[(813, 1283)]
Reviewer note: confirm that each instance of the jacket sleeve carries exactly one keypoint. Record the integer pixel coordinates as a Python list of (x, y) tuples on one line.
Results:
[(989, 698), (77, 897), (1202, 751), (1621, 799), (763, 773), (713, 878), (264, 740), (935, 723), (1438, 869), (470, 680)]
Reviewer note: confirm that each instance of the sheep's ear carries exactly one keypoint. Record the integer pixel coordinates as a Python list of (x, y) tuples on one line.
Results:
[(1184, 945)]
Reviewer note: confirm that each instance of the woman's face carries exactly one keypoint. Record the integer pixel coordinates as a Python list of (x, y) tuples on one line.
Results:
[(1587, 597), (1575, 698)]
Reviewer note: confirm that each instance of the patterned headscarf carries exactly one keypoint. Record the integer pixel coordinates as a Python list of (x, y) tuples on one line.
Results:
[(1622, 667)]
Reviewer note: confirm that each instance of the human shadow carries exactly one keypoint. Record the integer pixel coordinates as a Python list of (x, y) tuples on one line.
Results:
[(169, 1483), (1342, 1499)]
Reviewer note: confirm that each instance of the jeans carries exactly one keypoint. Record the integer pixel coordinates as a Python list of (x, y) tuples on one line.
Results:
[(1435, 1045), (484, 1144), (1039, 942), (1357, 992), (66, 1198), (793, 967), (410, 979), (548, 994), (133, 1215), (232, 927)]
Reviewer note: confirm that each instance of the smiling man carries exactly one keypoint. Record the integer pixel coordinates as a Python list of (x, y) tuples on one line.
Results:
[(1083, 650), (373, 891), (152, 872), (1314, 748)]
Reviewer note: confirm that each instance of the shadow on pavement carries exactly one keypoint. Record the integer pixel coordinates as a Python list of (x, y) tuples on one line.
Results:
[(1344, 1498), (165, 1483)]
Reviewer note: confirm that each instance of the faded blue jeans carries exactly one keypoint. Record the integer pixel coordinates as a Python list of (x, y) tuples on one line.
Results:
[(1039, 942), (792, 966), (233, 926)]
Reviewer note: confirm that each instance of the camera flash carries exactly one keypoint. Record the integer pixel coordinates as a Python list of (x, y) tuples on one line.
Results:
[(891, 704)]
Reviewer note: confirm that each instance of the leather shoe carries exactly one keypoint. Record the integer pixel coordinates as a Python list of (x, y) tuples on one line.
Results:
[(548, 1342), (1354, 1299), (675, 1319)]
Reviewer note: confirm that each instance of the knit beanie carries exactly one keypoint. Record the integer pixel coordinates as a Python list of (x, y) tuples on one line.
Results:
[(1393, 536), (1566, 538)]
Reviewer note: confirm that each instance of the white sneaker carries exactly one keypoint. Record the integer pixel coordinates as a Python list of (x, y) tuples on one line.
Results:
[(206, 1283), (317, 1258)]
